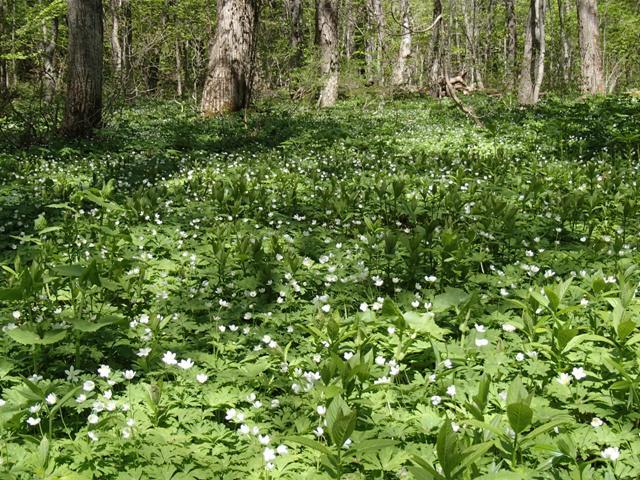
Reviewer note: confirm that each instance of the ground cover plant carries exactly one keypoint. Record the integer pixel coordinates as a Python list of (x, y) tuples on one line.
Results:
[(374, 291)]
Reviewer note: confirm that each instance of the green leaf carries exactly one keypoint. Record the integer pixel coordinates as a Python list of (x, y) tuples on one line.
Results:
[(11, 294), (63, 401), (68, 270), (308, 442), (517, 393), (427, 469), (470, 456), (26, 336), (372, 444), (425, 323), (530, 437), (448, 449), (343, 427), (519, 415), (452, 297), (53, 336), (587, 337)]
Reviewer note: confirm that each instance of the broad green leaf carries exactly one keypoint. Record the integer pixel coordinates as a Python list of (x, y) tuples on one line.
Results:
[(69, 270), (425, 323), (308, 442), (24, 336), (586, 337), (519, 415), (448, 449)]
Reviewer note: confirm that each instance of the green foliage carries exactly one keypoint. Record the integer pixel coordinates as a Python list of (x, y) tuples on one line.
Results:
[(363, 294)]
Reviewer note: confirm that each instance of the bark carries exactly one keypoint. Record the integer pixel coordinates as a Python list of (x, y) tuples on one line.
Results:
[(4, 73), (231, 57), (375, 42), (49, 43), (590, 53), (121, 37), (401, 70), (83, 108), (116, 47), (178, 54), (565, 54), (349, 29), (532, 72), (511, 44), (296, 33), (327, 39), (435, 65), (472, 34)]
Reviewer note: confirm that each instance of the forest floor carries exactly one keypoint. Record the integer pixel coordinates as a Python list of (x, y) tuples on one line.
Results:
[(373, 291)]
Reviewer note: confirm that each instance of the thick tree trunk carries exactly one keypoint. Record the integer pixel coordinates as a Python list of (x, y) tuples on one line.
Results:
[(83, 109), (532, 71), (590, 53), (375, 42), (327, 39), (401, 70), (228, 83), (296, 33), (511, 44), (49, 44)]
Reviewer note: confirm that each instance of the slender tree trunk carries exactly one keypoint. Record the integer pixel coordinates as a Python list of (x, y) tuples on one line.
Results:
[(487, 40), (349, 29), (4, 73), (83, 108), (565, 46), (435, 65), (296, 32), (469, 11), (375, 42), (178, 54), (327, 39), (49, 44), (511, 44), (532, 71), (590, 53), (231, 57), (116, 47), (401, 69)]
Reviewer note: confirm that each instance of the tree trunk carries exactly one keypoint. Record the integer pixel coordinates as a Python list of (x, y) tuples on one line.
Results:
[(472, 34), (401, 69), (178, 54), (4, 73), (565, 60), (121, 39), (296, 33), (511, 44), (49, 44), (83, 108), (590, 54), (349, 29), (532, 71), (231, 57), (327, 39), (435, 65), (375, 42), (116, 47)]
